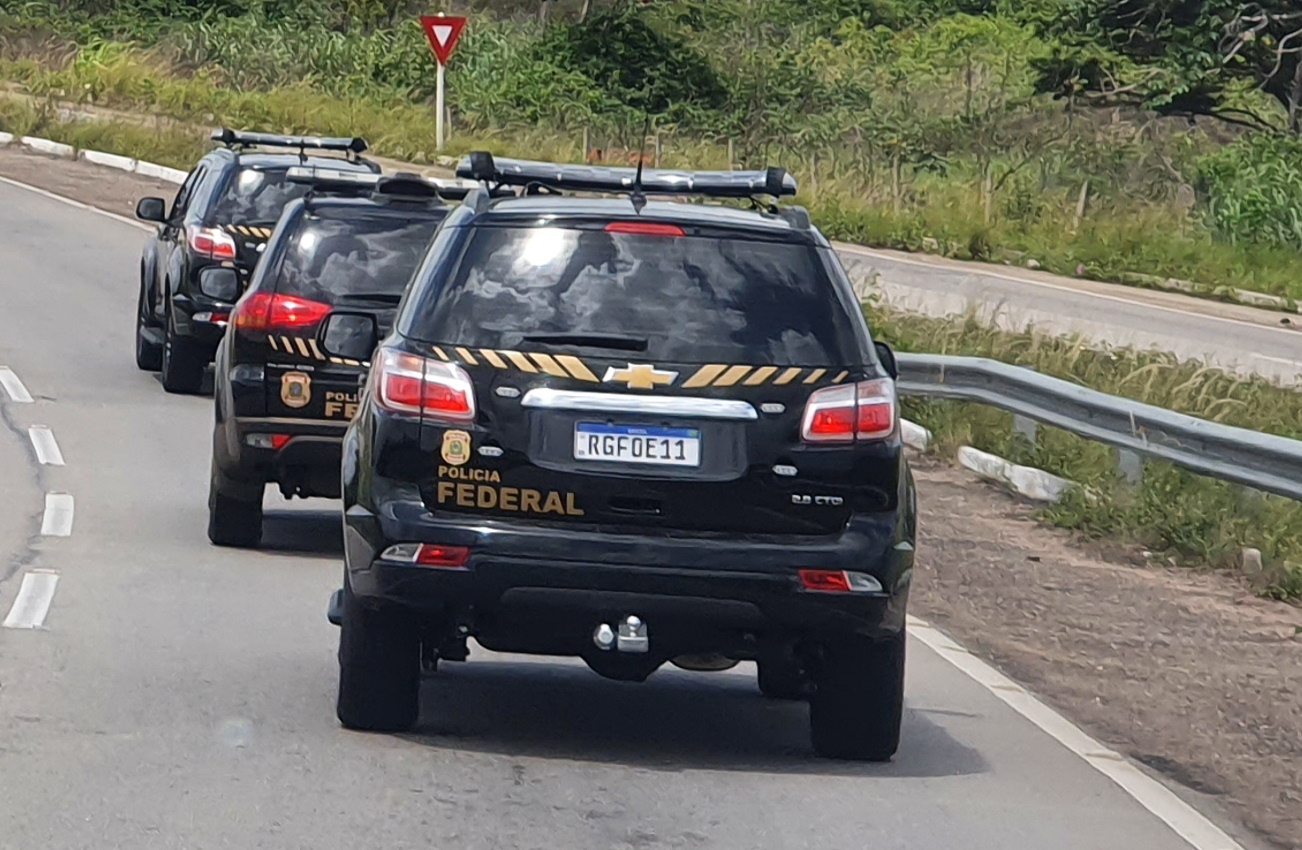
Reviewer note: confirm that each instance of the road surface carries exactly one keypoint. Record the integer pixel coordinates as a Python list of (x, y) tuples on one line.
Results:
[(181, 696)]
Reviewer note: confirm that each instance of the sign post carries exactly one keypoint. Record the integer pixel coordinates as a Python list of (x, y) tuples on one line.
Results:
[(442, 31)]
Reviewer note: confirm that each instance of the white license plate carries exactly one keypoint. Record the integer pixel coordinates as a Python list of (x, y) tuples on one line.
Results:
[(637, 444)]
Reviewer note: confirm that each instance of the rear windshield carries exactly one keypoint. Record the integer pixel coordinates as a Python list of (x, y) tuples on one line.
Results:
[(332, 258), (256, 196), (691, 299)]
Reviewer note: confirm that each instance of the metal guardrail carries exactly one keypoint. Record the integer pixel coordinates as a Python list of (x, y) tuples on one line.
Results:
[(1262, 461)]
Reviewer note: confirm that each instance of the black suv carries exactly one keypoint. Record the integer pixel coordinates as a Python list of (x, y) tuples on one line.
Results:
[(634, 432), (333, 273), (220, 219)]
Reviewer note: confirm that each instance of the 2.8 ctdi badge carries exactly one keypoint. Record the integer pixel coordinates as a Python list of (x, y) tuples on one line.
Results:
[(456, 447), (295, 389)]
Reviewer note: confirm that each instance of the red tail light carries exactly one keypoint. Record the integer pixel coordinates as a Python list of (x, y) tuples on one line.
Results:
[(866, 411), (211, 242), (644, 228), (408, 383), (264, 311)]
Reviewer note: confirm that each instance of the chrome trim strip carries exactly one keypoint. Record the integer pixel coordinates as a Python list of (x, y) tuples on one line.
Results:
[(659, 405)]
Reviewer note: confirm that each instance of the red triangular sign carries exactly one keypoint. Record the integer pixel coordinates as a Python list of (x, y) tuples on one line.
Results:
[(442, 32)]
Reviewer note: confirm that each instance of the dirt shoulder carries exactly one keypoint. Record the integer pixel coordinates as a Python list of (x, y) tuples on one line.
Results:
[(1185, 672)]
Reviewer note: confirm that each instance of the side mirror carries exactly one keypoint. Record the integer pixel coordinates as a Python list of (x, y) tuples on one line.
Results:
[(152, 209), (352, 336), (220, 284), (886, 354)]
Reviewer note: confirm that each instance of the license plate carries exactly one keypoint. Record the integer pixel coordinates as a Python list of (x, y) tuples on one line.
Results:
[(637, 444)]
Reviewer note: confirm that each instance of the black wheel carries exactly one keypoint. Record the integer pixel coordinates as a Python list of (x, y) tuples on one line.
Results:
[(858, 701), (379, 668), (781, 679), (149, 355), (183, 363), (234, 513)]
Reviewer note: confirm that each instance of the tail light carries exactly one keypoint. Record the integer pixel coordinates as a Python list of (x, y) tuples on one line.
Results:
[(427, 554), (409, 383), (838, 581), (866, 411), (264, 311), (210, 242)]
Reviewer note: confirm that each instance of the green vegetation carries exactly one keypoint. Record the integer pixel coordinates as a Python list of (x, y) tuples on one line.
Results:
[(966, 127), (1199, 520)]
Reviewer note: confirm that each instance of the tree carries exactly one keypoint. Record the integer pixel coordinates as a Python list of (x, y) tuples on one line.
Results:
[(1180, 57)]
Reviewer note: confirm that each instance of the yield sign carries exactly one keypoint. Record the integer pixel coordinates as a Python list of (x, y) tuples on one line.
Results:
[(442, 32)]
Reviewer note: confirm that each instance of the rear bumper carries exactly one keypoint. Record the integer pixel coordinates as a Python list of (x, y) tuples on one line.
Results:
[(578, 576), (310, 458)]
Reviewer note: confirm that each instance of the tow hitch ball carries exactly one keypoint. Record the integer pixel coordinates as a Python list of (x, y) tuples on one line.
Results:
[(631, 636)]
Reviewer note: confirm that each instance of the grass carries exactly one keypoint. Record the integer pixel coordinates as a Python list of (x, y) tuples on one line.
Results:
[(851, 196), (1198, 520)]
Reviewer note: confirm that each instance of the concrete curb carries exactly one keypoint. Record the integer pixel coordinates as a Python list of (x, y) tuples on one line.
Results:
[(6, 139), (109, 160), (51, 148), (915, 436), (1026, 480)]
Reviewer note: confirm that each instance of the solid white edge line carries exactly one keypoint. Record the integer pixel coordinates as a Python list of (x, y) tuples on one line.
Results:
[(13, 387), (1186, 821), (78, 204), (57, 521), (877, 255), (46, 447), (32, 603)]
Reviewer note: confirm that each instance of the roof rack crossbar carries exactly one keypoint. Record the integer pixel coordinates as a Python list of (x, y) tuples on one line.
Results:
[(241, 139), (483, 166)]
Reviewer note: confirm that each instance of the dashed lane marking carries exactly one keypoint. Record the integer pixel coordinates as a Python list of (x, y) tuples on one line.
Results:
[(32, 604), (46, 447), (13, 387), (57, 521)]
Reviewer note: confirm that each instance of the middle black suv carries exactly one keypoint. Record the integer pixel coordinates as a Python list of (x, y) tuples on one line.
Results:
[(220, 220), (634, 432), (334, 272)]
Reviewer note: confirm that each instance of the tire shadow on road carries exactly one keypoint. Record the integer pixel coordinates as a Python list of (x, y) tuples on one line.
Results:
[(674, 721), (311, 533)]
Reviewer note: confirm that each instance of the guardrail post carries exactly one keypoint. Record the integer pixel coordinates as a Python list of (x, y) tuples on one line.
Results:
[(1024, 428), (1130, 466)]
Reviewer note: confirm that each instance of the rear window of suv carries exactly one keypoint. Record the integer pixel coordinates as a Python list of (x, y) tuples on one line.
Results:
[(256, 196), (690, 298), (355, 257)]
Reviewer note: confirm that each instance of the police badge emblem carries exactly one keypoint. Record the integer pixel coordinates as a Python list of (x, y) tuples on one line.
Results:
[(456, 447), (295, 389)]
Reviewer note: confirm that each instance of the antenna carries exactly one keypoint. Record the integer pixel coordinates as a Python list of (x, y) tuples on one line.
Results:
[(639, 197)]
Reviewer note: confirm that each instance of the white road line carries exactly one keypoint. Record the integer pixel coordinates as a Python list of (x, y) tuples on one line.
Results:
[(78, 204), (13, 387), (1187, 822), (57, 521), (47, 448), (33, 602)]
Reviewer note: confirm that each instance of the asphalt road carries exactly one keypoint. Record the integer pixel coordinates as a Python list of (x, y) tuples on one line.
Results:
[(181, 696), (1242, 339)]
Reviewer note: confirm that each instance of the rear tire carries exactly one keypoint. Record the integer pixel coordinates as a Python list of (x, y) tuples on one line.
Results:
[(183, 363), (149, 355), (233, 519), (856, 709), (379, 669)]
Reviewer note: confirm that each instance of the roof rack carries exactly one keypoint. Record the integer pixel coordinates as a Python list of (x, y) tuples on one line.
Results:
[(238, 139), (482, 166), (403, 185)]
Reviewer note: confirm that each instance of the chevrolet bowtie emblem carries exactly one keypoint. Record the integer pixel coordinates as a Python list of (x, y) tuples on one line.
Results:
[(640, 376)]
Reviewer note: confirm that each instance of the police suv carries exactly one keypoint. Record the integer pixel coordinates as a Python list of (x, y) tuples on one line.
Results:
[(636, 432), (218, 224), (334, 271)]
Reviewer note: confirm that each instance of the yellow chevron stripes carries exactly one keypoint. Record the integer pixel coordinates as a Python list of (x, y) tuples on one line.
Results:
[(720, 375), (569, 366), (246, 230)]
